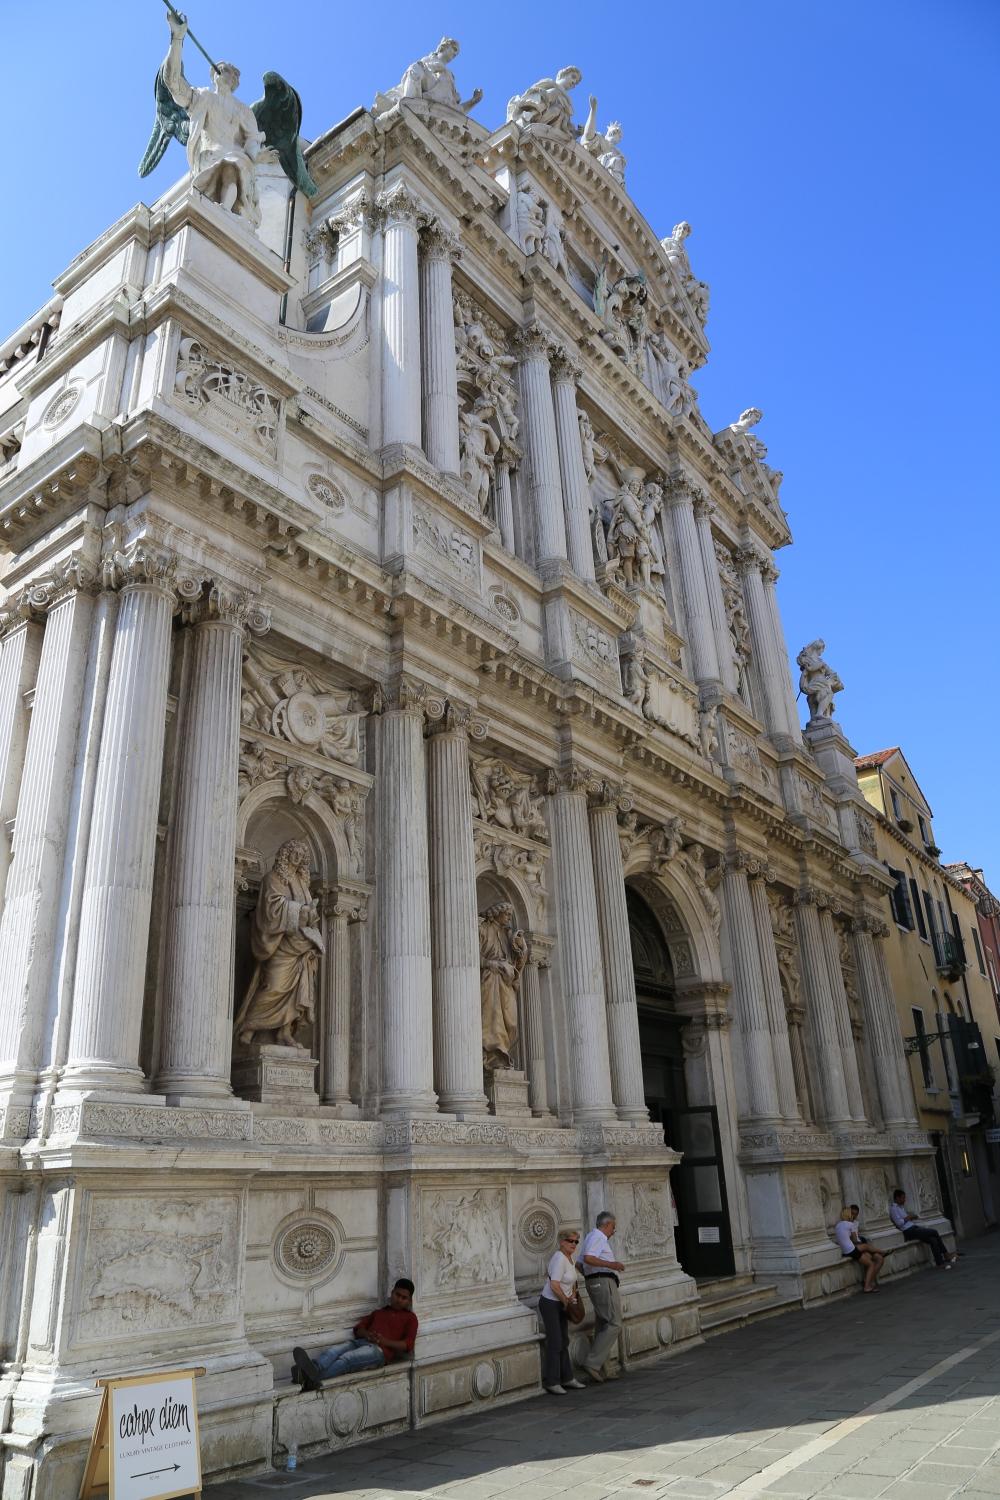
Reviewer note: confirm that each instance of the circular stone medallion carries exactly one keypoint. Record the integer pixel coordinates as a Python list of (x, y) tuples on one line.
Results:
[(60, 407), (305, 718), (537, 1229), (484, 1380), (308, 1248), (346, 1413)]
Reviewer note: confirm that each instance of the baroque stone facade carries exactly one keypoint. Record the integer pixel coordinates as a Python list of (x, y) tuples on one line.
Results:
[(409, 555)]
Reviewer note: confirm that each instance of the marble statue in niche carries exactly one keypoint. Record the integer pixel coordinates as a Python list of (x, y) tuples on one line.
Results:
[(478, 448), (286, 944), (503, 953), (546, 102), (632, 545), (430, 79), (604, 146), (530, 220), (621, 307), (817, 681)]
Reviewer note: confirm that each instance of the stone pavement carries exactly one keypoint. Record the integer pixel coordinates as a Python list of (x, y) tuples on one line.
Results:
[(896, 1394)]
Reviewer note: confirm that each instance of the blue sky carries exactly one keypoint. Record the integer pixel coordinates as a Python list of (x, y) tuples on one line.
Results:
[(838, 162)]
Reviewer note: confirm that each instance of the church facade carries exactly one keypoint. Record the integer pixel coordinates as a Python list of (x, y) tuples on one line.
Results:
[(410, 840)]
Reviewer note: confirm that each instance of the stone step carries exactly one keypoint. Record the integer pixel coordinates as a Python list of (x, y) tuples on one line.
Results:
[(741, 1301)]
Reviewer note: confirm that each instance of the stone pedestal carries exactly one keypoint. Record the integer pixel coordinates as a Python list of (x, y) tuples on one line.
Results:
[(276, 1075), (507, 1092)]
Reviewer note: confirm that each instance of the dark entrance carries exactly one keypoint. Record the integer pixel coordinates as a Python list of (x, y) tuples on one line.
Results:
[(703, 1239)]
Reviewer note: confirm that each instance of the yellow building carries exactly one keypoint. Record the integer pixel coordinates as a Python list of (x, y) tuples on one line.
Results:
[(945, 1003)]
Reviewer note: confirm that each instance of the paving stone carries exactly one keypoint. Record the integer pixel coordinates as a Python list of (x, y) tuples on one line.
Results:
[(854, 1486)]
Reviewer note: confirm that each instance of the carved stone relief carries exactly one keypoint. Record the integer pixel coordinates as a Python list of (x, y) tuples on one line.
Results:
[(537, 1227), (661, 698), (158, 1263), (308, 1248), (220, 392), (445, 544), (648, 1230), (594, 648), (507, 798), (293, 704), (465, 1238), (804, 1199)]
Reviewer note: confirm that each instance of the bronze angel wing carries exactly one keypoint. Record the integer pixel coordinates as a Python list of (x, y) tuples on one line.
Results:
[(171, 122), (279, 116)]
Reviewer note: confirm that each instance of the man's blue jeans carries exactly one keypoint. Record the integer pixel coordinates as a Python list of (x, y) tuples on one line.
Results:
[(346, 1358)]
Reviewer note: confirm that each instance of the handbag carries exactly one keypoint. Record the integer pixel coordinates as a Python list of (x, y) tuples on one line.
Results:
[(575, 1310)]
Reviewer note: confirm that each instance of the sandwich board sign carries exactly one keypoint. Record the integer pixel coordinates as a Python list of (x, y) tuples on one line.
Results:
[(145, 1444)]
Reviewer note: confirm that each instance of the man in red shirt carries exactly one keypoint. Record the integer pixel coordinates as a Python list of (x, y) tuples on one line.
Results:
[(380, 1337)]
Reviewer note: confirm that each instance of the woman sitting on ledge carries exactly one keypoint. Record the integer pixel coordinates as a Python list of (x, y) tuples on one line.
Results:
[(379, 1338)]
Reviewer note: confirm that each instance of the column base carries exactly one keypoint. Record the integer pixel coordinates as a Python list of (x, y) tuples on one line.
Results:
[(97, 1078), (463, 1106), (183, 1087), (409, 1106), (633, 1114)]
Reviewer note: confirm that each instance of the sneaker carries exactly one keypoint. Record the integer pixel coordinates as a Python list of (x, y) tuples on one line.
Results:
[(575, 1385), (556, 1390), (312, 1380)]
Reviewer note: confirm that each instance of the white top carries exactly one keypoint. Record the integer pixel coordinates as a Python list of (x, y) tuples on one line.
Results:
[(899, 1216), (598, 1245), (843, 1232), (560, 1268)]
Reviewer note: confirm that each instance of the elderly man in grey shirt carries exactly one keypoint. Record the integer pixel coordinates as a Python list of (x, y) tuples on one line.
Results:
[(600, 1268)]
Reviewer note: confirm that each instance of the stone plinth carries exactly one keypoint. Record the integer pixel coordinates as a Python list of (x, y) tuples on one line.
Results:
[(507, 1092), (276, 1075)]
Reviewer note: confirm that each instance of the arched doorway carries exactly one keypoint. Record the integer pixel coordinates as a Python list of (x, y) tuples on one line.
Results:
[(703, 1236)]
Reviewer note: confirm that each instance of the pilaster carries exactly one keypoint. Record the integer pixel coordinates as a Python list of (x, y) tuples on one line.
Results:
[(541, 444), (625, 1054), (820, 1012), (576, 492), (741, 946), (401, 216), (701, 633), (439, 251)]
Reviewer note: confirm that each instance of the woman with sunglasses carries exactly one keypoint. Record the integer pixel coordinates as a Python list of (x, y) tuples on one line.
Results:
[(557, 1294)]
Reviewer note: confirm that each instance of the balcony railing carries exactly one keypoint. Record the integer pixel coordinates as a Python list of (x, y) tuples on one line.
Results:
[(949, 954)]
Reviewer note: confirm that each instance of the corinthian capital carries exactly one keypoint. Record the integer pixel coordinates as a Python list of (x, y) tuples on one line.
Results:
[(231, 606), (682, 489), (534, 342), (565, 366), (400, 206), (446, 716), (438, 243)]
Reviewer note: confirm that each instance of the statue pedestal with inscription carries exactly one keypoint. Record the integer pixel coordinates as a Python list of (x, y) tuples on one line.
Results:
[(507, 1092), (276, 1075)]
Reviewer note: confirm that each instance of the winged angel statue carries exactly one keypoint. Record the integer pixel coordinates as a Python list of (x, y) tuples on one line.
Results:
[(223, 136)]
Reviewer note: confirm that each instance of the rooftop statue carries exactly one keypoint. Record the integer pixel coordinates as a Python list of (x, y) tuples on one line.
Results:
[(223, 135), (697, 291), (547, 102), (429, 78), (818, 682), (604, 147), (747, 419)]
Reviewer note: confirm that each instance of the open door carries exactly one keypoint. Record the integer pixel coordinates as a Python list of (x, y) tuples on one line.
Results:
[(705, 1242)]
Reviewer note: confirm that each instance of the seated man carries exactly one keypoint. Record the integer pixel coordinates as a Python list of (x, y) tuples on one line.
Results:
[(911, 1230), (379, 1338)]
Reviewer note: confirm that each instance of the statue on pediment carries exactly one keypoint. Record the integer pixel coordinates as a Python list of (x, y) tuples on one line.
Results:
[(604, 146), (817, 681), (431, 80), (546, 102)]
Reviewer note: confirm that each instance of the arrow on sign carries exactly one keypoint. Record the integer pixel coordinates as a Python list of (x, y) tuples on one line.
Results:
[(149, 1472)]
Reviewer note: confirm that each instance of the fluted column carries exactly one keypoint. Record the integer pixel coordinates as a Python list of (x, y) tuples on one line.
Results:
[(31, 911), (458, 1020), (703, 509), (820, 1011), (401, 215), (842, 1013), (344, 911), (774, 1001), (697, 607), (541, 444), (783, 670), (114, 915), (579, 949), (502, 498), (881, 1024), (750, 562), (879, 934), (748, 991), (437, 347), (403, 903), (576, 491), (20, 650), (795, 1015), (621, 1009), (534, 1035), (197, 1003)]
